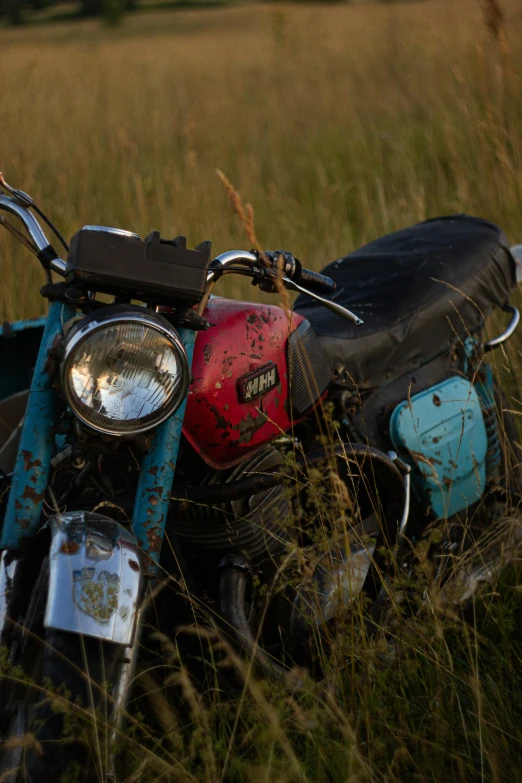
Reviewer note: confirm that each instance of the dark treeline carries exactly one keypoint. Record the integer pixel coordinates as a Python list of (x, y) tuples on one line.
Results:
[(17, 11)]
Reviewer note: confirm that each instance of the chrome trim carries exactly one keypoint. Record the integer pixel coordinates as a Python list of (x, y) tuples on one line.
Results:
[(121, 232), (122, 689), (228, 259), (506, 334), (59, 266), (11, 759), (95, 590), (28, 219), (406, 470), (34, 230), (516, 252), (9, 564), (219, 265), (138, 315), (338, 309), (338, 578)]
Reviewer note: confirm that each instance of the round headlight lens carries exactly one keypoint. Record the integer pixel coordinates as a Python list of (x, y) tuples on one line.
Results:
[(125, 374)]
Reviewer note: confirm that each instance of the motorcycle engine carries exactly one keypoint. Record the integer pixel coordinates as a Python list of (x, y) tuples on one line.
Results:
[(252, 526)]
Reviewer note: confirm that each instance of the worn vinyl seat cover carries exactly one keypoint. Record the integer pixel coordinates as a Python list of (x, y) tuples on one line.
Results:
[(418, 291)]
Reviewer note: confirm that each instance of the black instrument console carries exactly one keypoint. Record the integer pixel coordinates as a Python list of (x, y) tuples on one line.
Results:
[(118, 262)]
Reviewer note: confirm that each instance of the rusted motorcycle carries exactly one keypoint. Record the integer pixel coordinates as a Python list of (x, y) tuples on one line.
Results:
[(169, 414)]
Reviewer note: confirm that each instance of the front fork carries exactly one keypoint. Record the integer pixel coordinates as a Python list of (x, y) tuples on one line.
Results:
[(31, 475), (157, 474)]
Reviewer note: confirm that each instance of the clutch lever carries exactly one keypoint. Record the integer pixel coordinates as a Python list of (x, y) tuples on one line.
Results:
[(338, 309)]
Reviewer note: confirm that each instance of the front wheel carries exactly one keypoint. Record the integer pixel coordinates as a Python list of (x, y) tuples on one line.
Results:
[(58, 702), (72, 725)]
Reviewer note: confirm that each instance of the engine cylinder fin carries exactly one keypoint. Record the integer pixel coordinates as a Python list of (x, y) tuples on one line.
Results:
[(251, 525)]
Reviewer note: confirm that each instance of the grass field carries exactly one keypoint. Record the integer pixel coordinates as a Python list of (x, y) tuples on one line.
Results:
[(338, 123)]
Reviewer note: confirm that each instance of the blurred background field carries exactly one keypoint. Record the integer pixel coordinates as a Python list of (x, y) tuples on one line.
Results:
[(337, 122)]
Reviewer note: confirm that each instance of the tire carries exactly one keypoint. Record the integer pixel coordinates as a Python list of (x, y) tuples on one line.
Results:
[(71, 729), (82, 669)]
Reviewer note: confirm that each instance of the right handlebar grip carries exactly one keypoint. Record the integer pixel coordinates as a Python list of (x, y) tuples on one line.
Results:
[(314, 281)]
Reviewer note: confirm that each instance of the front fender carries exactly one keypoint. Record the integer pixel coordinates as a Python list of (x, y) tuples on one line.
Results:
[(95, 577)]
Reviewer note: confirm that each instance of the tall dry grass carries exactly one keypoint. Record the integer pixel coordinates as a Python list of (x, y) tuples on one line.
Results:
[(338, 123)]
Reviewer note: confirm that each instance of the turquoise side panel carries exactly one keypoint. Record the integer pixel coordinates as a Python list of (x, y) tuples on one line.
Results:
[(441, 434)]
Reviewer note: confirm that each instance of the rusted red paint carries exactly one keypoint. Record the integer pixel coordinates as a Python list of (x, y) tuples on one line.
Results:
[(243, 339)]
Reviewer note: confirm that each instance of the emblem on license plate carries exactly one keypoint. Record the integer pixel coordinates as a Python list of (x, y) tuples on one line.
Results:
[(96, 593), (257, 383)]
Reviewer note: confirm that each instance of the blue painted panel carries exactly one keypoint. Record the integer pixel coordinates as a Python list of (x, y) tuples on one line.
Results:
[(441, 434), (8, 327), (31, 472), (157, 474)]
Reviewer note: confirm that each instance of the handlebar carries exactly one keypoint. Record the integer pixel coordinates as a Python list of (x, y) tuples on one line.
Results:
[(43, 248), (314, 281), (233, 258), (249, 263)]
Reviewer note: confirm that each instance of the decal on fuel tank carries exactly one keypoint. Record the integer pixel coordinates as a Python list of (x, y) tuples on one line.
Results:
[(257, 383)]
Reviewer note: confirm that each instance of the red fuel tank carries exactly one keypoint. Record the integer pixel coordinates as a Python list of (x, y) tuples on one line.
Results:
[(239, 398)]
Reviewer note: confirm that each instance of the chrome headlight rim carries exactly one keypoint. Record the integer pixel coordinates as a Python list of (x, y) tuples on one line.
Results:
[(118, 314)]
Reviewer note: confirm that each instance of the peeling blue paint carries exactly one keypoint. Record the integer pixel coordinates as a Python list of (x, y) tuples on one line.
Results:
[(19, 326), (31, 472), (157, 474)]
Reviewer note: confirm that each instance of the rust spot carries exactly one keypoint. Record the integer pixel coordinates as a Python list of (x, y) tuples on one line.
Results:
[(29, 462), (436, 400), (248, 428), (221, 421), (154, 541), (207, 352), (153, 500), (419, 457), (157, 490), (30, 494), (69, 548), (435, 440), (154, 470), (134, 565), (18, 505)]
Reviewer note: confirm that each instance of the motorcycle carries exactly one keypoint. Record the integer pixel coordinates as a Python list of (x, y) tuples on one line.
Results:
[(171, 431)]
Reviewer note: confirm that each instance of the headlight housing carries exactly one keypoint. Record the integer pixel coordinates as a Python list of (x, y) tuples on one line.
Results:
[(125, 370)]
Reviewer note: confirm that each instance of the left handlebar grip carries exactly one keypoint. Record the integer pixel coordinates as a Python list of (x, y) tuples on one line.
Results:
[(321, 284)]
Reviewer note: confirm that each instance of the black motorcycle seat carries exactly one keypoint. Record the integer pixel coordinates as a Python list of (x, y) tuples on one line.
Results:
[(419, 291)]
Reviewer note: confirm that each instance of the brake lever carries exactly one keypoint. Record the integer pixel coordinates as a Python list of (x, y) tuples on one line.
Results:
[(338, 309)]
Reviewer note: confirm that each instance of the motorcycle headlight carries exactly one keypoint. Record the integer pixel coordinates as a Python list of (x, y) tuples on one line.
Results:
[(125, 370)]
